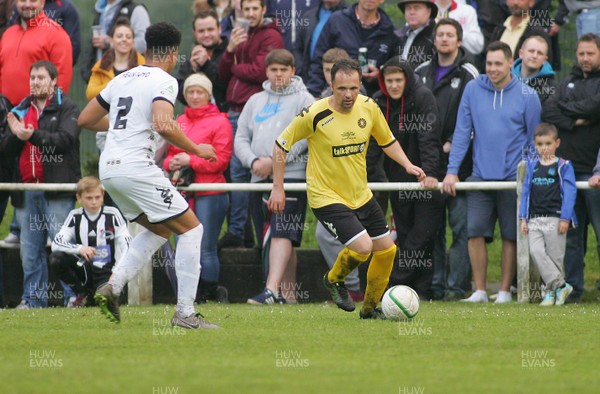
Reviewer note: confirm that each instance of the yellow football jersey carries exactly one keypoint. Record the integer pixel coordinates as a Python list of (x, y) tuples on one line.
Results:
[(336, 172)]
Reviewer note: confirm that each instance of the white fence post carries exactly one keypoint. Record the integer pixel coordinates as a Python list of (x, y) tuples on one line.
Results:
[(139, 289), (528, 277)]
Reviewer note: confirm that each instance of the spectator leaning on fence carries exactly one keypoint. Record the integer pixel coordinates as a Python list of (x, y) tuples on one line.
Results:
[(574, 111), (501, 114), (447, 75), (45, 137), (264, 117), (546, 212)]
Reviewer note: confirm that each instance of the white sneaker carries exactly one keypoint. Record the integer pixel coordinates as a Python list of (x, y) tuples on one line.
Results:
[(503, 297), (10, 242), (23, 305), (11, 239), (477, 296)]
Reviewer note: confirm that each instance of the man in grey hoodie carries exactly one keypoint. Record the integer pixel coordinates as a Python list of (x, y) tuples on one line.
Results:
[(261, 121)]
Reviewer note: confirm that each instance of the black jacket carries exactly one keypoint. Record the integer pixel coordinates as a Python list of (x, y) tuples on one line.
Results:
[(415, 122), (577, 97), (343, 30), (211, 70), (448, 93), (304, 39), (58, 136), (422, 48), (7, 162)]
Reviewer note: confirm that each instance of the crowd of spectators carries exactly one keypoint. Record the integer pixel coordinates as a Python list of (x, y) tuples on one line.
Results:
[(462, 85)]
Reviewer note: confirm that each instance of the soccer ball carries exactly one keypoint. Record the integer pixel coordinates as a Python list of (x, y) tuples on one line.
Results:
[(400, 303)]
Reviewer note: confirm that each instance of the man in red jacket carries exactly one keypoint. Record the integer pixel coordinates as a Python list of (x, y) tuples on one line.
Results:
[(243, 65), (36, 37)]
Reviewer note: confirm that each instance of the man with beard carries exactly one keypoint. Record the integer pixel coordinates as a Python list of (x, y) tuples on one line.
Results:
[(45, 138), (205, 56), (35, 37), (447, 75), (574, 111)]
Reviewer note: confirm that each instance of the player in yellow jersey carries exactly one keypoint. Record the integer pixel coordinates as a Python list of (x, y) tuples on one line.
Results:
[(337, 129)]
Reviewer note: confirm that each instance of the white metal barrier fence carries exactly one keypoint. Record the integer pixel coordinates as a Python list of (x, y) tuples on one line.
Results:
[(527, 275)]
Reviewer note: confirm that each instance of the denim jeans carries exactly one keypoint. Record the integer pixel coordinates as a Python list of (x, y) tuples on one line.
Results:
[(587, 210), (211, 211), (451, 269), (588, 22), (39, 218), (238, 214)]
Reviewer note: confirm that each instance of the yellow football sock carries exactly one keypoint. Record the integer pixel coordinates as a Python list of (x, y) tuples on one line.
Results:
[(345, 263), (378, 277)]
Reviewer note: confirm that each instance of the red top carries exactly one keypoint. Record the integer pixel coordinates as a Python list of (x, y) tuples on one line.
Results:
[(206, 125), (44, 39), (31, 163), (245, 68)]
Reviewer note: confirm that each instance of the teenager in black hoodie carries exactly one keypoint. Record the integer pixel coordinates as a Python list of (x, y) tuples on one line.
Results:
[(411, 111)]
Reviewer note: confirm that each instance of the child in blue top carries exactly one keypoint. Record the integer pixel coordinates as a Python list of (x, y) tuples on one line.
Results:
[(546, 212)]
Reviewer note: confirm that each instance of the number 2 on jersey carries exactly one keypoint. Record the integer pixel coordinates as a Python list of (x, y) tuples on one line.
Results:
[(124, 106)]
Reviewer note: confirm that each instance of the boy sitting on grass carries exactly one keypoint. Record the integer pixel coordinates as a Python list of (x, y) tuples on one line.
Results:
[(546, 212)]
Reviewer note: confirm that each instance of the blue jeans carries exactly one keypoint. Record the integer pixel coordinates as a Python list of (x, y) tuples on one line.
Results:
[(211, 211), (238, 214), (588, 22), (456, 261), (39, 218), (587, 210)]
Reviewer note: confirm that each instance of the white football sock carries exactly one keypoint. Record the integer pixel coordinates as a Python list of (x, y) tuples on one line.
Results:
[(187, 268), (140, 252)]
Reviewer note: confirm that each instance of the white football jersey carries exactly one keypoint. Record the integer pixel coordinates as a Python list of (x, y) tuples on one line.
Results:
[(131, 141)]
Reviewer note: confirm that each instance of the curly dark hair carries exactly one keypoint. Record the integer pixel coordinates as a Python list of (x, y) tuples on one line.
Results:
[(162, 37)]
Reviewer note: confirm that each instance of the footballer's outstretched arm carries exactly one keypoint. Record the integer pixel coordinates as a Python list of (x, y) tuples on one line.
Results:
[(93, 117), (396, 153), (168, 128), (277, 199)]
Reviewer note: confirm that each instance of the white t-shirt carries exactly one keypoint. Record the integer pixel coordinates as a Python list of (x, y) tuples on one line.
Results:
[(132, 142)]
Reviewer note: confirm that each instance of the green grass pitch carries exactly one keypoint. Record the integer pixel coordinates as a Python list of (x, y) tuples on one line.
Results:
[(305, 348)]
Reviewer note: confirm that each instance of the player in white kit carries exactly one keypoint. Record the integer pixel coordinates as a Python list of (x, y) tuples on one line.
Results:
[(140, 104)]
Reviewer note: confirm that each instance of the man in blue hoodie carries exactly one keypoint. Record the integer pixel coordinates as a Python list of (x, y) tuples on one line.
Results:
[(501, 113), (533, 69)]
